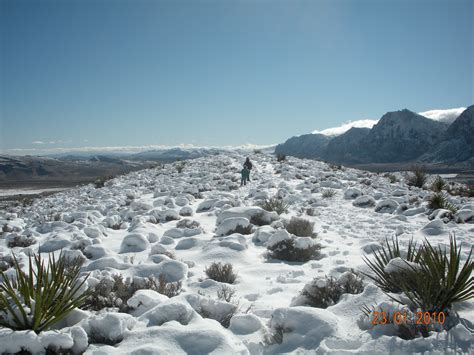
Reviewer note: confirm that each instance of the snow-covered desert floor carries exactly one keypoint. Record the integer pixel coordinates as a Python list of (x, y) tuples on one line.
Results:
[(165, 222)]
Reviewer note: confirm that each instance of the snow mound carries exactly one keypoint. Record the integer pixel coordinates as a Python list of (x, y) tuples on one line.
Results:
[(303, 327), (229, 225), (364, 201)]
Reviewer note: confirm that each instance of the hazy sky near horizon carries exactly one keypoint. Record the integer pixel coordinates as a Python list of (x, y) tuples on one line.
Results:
[(123, 73)]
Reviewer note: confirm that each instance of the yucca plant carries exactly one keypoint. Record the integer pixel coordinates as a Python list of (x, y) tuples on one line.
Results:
[(419, 176), (389, 282), (441, 279), (434, 284), (328, 193), (438, 184), (44, 296), (440, 200), (275, 204)]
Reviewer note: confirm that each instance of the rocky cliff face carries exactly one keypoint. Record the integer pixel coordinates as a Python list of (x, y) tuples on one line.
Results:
[(305, 146), (346, 148), (399, 136), (457, 144)]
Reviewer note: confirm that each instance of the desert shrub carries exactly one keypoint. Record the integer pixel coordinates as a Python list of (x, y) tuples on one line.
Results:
[(437, 280), (335, 167), (16, 240), (257, 151), (438, 184), (241, 230), (392, 178), (221, 272), (101, 180), (328, 193), (180, 166), (41, 298), (286, 250), (300, 227), (115, 291), (222, 317), (440, 200), (225, 293), (188, 223), (324, 293), (275, 204), (258, 219), (418, 177), (281, 157), (388, 282)]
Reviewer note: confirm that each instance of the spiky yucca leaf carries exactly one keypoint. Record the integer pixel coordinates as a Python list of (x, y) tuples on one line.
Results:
[(440, 200), (438, 184), (275, 204), (42, 297), (441, 280), (389, 282)]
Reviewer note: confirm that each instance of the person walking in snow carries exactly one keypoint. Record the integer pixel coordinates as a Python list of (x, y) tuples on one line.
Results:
[(248, 165), (244, 176)]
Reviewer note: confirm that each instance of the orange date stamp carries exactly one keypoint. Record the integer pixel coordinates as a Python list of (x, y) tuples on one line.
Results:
[(421, 318)]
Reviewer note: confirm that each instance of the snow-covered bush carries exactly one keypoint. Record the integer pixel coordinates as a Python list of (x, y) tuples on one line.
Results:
[(16, 240), (221, 272), (115, 291), (275, 204), (41, 298), (322, 293), (293, 249), (300, 227)]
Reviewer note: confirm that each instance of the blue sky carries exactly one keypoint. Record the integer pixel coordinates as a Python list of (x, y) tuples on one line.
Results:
[(125, 73)]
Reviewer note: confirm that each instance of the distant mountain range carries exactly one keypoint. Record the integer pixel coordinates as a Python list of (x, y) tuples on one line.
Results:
[(70, 169), (398, 137)]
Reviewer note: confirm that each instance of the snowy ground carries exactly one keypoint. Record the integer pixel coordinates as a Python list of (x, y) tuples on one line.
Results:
[(142, 207)]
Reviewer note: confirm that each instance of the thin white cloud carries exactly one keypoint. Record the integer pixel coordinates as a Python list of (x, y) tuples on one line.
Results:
[(336, 131), (37, 142), (125, 149), (447, 116)]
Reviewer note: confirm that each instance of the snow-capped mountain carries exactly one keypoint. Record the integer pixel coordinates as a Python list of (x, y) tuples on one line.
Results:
[(399, 136), (458, 142)]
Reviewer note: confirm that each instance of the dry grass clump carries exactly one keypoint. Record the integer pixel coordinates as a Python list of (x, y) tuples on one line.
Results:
[(322, 293), (116, 291), (300, 227), (221, 272), (17, 240), (286, 250)]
